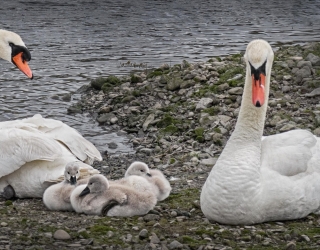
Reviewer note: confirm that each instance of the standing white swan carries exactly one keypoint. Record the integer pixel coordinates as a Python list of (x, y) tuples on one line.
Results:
[(262, 179), (35, 151)]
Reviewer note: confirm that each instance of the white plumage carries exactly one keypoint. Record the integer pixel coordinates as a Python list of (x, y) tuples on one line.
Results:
[(35, 151), (258, 179), (161, 185), (57, 196), (99, 197)]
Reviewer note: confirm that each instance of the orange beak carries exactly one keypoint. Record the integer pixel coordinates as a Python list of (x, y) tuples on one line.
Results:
[(258, 90), (22, 65)]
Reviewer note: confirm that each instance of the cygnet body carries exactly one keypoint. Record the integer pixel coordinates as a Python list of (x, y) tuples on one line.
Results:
[(57, 196), (161, 185), (98, 197)]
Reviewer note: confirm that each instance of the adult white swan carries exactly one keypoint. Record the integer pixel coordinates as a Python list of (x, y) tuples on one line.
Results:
[(262, 179), (13, 49), (35, 151)]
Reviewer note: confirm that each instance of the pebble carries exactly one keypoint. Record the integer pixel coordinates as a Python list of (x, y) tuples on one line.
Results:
[(61, 235)]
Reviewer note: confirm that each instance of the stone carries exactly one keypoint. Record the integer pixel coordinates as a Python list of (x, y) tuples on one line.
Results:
[(204, 103), (209, 162), (302, 73), (236, 91), (175, 245), (151, 217), (303, 64), (112, 145), (313, 93), (174, 83), (143, 234), (291, 246), (315, 60), (154, 239), (146, 123), (61, 235), (222, 87), (105, 117)]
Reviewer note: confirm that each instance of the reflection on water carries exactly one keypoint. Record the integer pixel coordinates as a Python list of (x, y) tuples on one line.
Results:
[(73, 42)]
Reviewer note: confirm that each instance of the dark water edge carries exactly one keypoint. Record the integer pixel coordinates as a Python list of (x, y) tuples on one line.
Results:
[(74, 42)]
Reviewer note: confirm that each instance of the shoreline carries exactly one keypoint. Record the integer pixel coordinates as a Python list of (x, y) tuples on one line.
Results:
[(178, 120)]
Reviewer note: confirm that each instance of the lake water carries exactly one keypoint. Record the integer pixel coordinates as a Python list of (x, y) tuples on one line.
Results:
[(72, 42)]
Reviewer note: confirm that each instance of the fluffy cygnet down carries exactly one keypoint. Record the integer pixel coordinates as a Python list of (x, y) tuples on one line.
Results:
[(98, 197), (161, 185), (57, 196)]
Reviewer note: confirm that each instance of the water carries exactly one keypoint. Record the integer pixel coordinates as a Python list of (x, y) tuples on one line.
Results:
[(72, 42)]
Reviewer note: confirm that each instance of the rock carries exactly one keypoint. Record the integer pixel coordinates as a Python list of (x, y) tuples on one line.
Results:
[(313, 93), (287, 127), (315, 60), (146, 123), (61, 235), (143, 234), (106, 117), (236, 91), (154, 239), (112, 145), (66, 97), (114, 120), (303, 64), (151, 217), (291, 246), (236, 77), (175, 245), (204, 103), (222, 87), (209, 161), (302, 73), (174, 83)]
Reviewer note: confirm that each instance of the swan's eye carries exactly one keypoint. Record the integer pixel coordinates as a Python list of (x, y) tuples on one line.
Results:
[(68, 172), (11, 44), (77, 171), (141, 170)]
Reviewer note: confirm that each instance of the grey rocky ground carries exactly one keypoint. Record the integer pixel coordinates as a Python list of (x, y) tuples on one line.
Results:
[(178, 118)]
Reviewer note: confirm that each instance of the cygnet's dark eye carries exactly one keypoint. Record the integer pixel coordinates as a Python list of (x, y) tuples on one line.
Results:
[(77, 171), (90, 183), (141, 170), (68, 172)]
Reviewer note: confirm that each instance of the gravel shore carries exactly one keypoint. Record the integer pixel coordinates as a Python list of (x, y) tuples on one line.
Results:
[(178, 119)]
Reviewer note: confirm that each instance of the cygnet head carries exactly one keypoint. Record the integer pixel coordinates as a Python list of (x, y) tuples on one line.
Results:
[(259, 58), (13, 49), (96, 184), (138, 168), (72, 173)]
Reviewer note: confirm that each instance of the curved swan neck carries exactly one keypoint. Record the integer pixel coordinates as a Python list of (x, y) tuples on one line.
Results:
[(251, 119)]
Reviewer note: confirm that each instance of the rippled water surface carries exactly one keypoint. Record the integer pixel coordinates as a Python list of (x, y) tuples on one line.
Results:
[(72, 42)]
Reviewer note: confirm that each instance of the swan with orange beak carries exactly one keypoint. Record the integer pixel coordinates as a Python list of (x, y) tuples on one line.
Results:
[(13, 49)]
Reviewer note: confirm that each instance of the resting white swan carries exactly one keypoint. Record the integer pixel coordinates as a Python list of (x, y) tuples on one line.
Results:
[(13, 49), (257, 180), (34, 152)]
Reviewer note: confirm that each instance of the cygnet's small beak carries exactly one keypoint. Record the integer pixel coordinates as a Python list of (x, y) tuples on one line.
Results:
[(73, 180), (148, 174), (84, 192)]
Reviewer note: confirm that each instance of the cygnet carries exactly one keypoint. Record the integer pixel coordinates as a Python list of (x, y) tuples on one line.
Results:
[(57, 196), (98, 197), (161, 185)]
